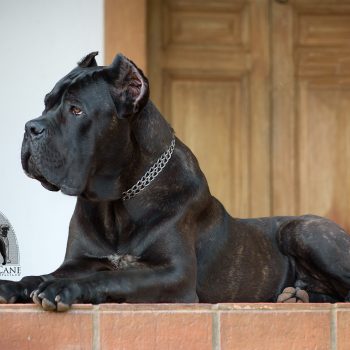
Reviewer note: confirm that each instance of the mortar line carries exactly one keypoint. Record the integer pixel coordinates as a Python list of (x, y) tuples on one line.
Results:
[(216, 341), (96, 328), (213, 311), (334, 327)]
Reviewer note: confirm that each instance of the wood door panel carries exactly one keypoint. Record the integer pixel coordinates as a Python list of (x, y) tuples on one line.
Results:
[(324, 156), (314, 41), (325, 30), (259, 90), (326, 62), (207, 24), (204, 29), (211, 83), (209, 114)]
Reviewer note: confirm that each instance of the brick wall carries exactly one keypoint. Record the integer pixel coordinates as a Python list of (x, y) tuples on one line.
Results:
[(222, 326)]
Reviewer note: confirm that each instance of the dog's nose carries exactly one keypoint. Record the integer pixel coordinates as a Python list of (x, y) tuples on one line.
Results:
[(35, 127)]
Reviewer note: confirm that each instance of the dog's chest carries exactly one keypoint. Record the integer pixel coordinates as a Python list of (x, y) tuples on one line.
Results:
[(120, 262)]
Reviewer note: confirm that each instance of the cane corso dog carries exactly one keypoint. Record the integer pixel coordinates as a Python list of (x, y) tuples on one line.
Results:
[(3, 245), (146, 228)]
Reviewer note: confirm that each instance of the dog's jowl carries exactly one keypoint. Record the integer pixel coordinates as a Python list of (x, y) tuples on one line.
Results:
[(145, 227)]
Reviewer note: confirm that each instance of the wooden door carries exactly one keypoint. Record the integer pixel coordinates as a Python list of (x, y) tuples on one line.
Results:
[(271, 141), (311, 108), (209, 69)]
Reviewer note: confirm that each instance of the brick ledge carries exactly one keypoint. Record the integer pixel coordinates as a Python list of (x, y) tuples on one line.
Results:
[(177, 326)]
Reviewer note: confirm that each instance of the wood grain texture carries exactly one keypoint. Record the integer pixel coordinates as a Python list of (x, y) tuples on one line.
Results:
[(311, 94), (209, 74), (283, 126), (324, 152), (208, 113), (125, 30), (258, 89)]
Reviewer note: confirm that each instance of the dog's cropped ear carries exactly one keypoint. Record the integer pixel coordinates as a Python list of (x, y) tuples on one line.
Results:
[(89, 60), (128, 86)]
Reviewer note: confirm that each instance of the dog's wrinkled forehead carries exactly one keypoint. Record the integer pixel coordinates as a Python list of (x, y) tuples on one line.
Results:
[(86, 70), (127, 84), (75, 77)]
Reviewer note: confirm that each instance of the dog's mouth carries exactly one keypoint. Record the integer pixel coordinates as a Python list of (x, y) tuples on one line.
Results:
[(49, 186), (33, 172), (48, 168)]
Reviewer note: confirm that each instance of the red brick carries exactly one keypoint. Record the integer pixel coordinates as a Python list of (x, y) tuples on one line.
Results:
[(342, 305), (343, 328), (28, 327), (175, 326), (156, 330), (275, 330), (274, 306)]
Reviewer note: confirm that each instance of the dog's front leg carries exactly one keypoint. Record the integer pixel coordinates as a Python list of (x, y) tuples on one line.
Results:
[(20, 291), (141, 285)]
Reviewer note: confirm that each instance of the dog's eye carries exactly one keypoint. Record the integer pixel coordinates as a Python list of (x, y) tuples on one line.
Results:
[(76, 110)]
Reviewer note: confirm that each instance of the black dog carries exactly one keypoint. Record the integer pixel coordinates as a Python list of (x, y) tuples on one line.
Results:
[(3, 243), (145, 227)]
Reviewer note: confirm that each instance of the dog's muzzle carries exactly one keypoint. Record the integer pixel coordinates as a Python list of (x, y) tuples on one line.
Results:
[(34, 130)]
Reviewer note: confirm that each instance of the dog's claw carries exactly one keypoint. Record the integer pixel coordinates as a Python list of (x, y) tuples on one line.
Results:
[(293, 295), (32, 293), (36, 298), (302, 296), (61, 307), (286, 294), (3, 300), (48, 305)]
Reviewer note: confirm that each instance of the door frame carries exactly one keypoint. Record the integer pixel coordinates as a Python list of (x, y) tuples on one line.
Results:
[(120, 35)]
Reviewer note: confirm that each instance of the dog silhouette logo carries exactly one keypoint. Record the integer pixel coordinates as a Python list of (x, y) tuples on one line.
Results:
[(9, 251)]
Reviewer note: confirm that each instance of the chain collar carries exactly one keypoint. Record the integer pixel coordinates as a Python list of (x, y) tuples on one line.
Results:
[(151, 174)]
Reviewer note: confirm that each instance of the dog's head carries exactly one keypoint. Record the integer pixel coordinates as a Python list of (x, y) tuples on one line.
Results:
[(4, 231), (84, 131)]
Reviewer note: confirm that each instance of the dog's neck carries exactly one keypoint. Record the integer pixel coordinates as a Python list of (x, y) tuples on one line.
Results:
[(150, 136), (151, 132)]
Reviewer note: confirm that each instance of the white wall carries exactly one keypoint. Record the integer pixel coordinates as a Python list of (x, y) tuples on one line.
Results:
[(40, 41)]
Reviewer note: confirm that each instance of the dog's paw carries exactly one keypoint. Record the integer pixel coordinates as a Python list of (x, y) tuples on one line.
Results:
[(11, 291), (57, 295), (293, 295)]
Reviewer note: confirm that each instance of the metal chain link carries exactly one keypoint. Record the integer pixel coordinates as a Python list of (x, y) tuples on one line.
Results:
[(151, 174)]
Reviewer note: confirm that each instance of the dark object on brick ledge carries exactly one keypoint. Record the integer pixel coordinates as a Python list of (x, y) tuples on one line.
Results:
[(146, 228)]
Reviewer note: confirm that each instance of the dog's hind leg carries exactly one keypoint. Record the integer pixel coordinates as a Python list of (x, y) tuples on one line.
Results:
[(321, 251)]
